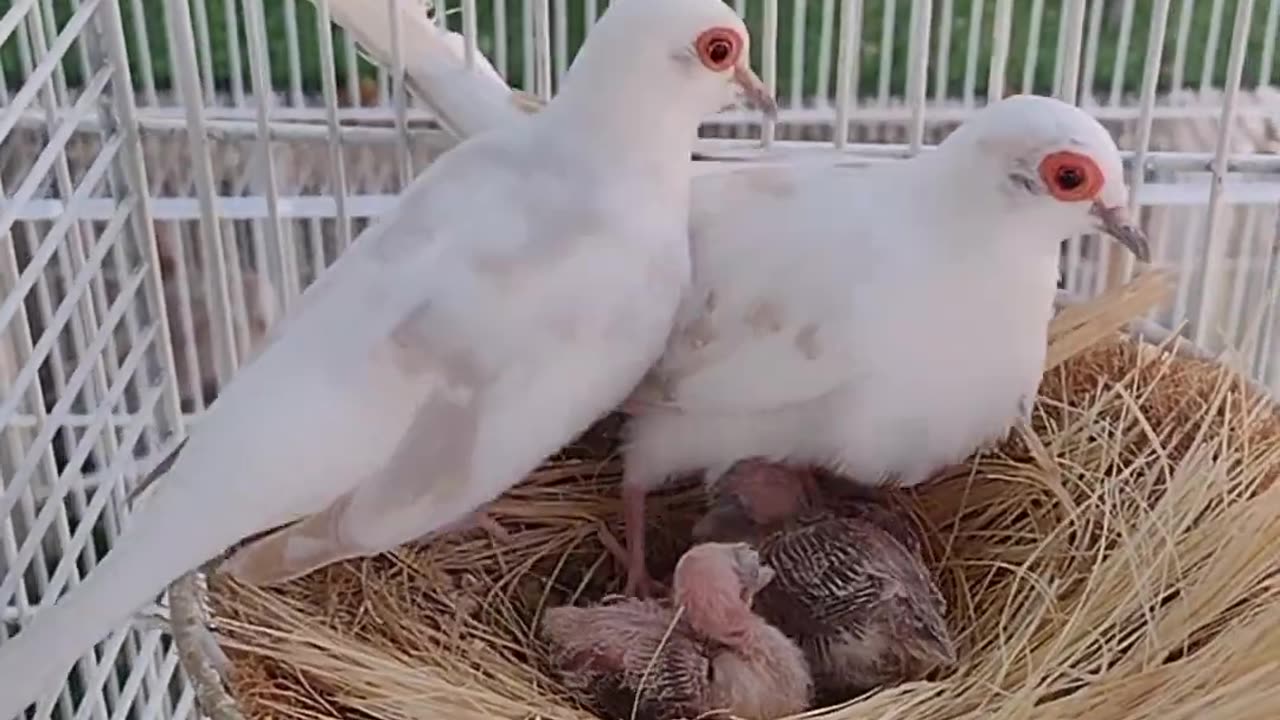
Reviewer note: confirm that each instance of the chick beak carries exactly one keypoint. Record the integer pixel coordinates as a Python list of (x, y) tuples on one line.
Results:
[(938, 652), (1116, 223), (754, 88)]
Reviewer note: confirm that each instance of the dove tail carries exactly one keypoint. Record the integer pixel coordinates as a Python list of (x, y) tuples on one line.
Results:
[(168, 537), (469, 101)]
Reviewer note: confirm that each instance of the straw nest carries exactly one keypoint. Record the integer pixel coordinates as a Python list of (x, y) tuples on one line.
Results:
[(1117, 562)]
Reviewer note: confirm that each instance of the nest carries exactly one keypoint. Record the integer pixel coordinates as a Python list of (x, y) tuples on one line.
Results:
[(1116, 562)]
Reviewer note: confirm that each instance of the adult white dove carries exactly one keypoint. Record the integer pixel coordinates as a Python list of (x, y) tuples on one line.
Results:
[(883, 321), (521, 289)]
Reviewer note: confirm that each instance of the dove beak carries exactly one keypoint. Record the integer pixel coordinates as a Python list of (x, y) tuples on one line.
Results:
[(754, 88), (1116, 223)]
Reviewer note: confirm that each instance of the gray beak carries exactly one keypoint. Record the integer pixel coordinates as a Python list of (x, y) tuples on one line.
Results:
[(1116, 223), (754, 88)]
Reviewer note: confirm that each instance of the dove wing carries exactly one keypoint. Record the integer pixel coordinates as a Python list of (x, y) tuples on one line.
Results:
[(457, 347)]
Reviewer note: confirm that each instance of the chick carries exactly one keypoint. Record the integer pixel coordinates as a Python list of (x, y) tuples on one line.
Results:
[(850, 586), (714, 655), (756, 497)]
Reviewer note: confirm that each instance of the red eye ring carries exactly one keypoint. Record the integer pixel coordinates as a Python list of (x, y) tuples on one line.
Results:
[(718, 48), (1071, 176)]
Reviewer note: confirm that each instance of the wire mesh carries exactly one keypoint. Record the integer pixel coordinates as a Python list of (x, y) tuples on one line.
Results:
[(176, 173)]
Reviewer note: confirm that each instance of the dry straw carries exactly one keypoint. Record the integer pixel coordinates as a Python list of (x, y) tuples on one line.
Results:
[(1116, 563)]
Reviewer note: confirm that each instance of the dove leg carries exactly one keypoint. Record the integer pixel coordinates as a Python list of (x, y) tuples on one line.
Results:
[(639, 582)]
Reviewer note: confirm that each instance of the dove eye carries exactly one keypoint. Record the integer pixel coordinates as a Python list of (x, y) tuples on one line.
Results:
[(1070, 176), (718, 49)]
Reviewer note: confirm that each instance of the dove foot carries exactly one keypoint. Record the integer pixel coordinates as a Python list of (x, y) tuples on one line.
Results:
[(639, 582), (642, 585)]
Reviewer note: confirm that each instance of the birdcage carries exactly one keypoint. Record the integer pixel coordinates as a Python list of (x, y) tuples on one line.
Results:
[(175, 173)]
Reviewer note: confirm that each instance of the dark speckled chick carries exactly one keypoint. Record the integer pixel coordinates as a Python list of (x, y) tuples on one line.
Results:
[(718, 655), (850, 586)]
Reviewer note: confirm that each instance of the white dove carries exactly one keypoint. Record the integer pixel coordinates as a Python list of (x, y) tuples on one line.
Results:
[(883, 321), (521, 289)]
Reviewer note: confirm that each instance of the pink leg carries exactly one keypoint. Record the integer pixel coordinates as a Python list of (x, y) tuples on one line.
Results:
[(638, 580)]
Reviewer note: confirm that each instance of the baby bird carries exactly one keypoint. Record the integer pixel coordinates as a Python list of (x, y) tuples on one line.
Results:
[(713, 654), (850, 587), (756, 497)]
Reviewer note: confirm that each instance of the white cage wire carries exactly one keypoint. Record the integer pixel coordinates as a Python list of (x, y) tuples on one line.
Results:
[(214, 156)]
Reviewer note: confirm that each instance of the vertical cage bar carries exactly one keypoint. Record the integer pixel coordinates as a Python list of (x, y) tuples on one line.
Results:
[(1072, 33), (885, 87), (294, 53), (1002, 29), (526, 23), (235, 68), (850, 16), (471, 33), (352, 62), (398, 97), (205, 56), (267, 182), (971, 53), (1146, 111), (943, 65), (1211, 44), (799, 17), (329, 85), (542, 48), (1031, 60), (1092, 43), (178, 16), (1212, 258), (560, 38), (1269, 34), (1118, 70), (823, 88), (141, 36), (769, 66), (1177, 78), (918, 69), (500, 37)]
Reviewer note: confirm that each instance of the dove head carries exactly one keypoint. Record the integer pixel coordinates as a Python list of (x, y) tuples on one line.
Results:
[(1052, 166), (715, 583), (662, 65)]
